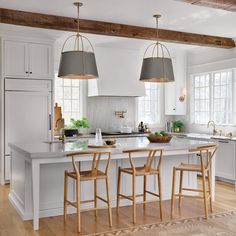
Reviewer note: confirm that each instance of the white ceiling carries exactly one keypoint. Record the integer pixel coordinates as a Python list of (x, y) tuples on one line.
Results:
[(176, 15)]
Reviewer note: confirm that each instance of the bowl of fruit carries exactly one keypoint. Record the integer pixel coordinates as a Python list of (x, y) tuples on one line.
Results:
[(159, 137)]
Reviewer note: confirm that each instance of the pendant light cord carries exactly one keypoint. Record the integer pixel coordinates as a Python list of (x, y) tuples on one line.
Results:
[(157, 25), (78, 7)]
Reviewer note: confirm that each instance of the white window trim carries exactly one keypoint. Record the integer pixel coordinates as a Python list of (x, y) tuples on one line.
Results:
[(211, 95), (158, 123), (83, 87)]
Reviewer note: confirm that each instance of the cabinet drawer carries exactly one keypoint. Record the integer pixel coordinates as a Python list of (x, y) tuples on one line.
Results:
[(28, 85)]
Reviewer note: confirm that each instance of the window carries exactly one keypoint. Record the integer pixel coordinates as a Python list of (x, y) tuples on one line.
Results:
[(201, 95), (68, 96), (212, 98), (149, 106)]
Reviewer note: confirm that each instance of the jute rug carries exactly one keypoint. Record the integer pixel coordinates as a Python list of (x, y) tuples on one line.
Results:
[(221, 224)]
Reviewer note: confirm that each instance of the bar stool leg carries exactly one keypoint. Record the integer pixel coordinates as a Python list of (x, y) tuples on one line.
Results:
[(95, 197), (160, 194), (65, 194), (209, 186), (204, 193), (134, 198), (78, 204), (118, 190), (144, 190), (173, 192), (108, 201), (180, 188)]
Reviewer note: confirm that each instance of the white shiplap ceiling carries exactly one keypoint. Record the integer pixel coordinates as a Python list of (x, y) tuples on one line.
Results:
[(176, 15)]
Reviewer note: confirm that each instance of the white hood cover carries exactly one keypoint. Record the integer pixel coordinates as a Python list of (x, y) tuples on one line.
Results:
[(119, 72)]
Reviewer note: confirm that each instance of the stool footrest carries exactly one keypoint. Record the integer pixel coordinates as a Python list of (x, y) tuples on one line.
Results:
[(190, 196), (102, 199), (194, 190), (154, 194), (125, 196)]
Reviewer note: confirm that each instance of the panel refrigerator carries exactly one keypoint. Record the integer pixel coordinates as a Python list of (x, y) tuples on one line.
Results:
[(27, 114)]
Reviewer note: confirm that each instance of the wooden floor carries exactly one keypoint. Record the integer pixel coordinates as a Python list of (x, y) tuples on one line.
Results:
[(11, 224)]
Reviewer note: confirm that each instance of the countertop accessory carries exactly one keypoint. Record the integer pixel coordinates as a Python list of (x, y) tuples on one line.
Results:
[(70, 132), (160, 139), (78, 63), (157, 68), (110, 141), (126, 129), (102, 146), (98, 137)]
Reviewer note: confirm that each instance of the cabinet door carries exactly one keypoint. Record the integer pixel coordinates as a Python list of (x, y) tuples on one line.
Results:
[(40, 60), (225, 160), (170, 99), (15, 59)]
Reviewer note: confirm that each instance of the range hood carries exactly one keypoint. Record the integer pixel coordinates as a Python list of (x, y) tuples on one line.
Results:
[(119, 72)]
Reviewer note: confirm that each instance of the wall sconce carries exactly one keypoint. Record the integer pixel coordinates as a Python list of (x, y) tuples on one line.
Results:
[(183, 95)]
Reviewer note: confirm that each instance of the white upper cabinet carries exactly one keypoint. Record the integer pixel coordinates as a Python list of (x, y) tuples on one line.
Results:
[(173, 90), (24, 59), (40, 60), (15, 58), (119, 72)]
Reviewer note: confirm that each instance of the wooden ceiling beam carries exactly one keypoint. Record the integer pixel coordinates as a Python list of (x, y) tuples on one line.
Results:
[(44, 21), (228, 5)]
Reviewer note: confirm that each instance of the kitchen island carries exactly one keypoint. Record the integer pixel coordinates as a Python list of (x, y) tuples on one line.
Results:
[(37, 173)]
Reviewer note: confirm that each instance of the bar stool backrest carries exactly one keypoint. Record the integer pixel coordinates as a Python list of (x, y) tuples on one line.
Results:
[(95, 161), (205, 153), (152, 153)]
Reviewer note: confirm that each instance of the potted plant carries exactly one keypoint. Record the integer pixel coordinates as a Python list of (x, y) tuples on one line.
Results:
[(177, 126), (79, 124)]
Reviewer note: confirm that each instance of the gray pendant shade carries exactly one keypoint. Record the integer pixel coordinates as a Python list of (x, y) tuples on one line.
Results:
[(157, 69), (78, 65)]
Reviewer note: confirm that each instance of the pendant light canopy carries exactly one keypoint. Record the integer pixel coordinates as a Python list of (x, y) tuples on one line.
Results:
[(78, 63), (158, 67)]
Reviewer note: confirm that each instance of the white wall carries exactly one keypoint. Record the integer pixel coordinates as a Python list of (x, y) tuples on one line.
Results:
[(203, 60)]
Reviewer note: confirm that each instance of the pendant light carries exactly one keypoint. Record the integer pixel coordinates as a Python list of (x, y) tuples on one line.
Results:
[(158, 67), (78, 63)]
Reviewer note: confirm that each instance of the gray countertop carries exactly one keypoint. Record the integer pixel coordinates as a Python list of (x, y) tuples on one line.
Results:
[(58, 149), (203, 136)]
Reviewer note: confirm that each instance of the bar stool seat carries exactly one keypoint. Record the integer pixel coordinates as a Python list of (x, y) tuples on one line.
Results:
[(189, 167), (88, 175), (144, 171), (140, 171), (94, 174)]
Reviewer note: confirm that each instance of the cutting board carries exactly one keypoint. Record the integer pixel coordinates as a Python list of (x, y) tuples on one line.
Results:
[(57, 113)]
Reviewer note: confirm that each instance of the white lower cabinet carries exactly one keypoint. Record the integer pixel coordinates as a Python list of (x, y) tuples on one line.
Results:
[(225, 160)]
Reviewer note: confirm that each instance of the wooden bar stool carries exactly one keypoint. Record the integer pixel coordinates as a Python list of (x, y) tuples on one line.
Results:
[(144, 171), (89, 175), (205, 154)]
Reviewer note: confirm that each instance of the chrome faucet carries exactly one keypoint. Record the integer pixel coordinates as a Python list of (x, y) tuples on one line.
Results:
[(214, 126)]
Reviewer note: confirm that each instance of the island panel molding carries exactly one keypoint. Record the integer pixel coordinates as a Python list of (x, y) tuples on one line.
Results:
[(228, 5), (110, 29)]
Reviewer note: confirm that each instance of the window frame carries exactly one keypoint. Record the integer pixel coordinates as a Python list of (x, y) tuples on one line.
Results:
[(211, 95), (159, 110), (82, 98)]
